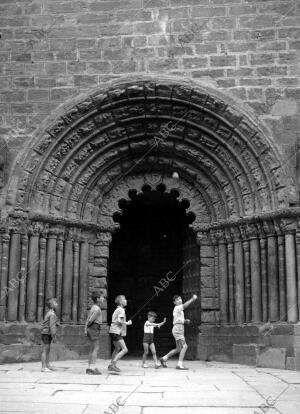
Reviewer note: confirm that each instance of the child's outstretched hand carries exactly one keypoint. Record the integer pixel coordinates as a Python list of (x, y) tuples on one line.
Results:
[(129, 322), (162, 323), (195, 297)]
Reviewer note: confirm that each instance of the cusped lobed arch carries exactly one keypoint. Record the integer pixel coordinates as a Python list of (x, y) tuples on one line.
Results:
[(133, 128)]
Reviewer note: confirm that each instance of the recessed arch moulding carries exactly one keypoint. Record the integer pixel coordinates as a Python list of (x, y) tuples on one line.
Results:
[(107, 142)]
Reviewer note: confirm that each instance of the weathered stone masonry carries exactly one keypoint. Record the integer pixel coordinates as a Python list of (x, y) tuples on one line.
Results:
[(235, 151)]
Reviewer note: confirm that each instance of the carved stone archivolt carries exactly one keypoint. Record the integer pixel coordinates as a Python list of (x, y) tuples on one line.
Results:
[(226, 162)]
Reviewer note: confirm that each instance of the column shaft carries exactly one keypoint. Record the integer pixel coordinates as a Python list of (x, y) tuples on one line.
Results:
[(223, 274), (67, 281), (248, 313), (83, 280), (75, 281), (264, 284), (282, 278), (23, 276), (4, 275), (51, 266), (291, 278), (32, 281), (230, 282), (41, 284), (14, 276), (273, 285), (59, 272), (256, 292), (239, 282)]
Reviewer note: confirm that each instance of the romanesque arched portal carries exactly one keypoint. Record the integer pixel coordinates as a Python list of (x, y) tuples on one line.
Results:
[(66, 188)]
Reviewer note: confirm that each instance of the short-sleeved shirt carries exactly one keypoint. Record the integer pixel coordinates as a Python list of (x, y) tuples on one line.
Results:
[(117, 327), (178, 315), (95, 315), (148, 328), (49, 323)]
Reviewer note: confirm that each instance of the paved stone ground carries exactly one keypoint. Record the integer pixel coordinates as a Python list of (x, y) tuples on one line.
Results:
[(208, 387)]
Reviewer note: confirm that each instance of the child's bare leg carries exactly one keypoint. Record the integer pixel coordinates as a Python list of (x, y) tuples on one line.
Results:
[(121, 353), (146, 352), (153, 350), (171, 353), (116, 350), (45, 355), (93, 353), (182, 352)]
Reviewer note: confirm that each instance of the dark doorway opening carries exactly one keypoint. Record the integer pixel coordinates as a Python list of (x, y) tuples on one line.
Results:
[(147, 247)]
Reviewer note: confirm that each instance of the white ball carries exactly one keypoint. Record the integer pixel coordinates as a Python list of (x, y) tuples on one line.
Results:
[(175, 175)]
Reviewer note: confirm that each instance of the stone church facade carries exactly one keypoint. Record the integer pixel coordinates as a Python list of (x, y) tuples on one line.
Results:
[(101, 102)]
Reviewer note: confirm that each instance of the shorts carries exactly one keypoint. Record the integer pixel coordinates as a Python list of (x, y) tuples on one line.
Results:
[(148, 338), (46, 338), (178, 332), (116, 337), (93, 331)]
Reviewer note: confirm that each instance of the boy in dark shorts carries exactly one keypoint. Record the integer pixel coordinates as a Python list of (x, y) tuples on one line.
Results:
[(148, 338), (48, 333), (92, 331), (178, 331), (117, 332)]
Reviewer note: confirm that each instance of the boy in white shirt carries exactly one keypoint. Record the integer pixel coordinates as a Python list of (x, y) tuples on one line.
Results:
[(148, 338), (178, 331), (117, 332)]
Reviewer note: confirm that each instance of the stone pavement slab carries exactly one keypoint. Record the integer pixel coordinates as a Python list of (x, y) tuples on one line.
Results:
[(208, 388)]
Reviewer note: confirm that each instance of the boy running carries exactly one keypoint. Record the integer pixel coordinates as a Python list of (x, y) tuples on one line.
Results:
[(178, 331), (48, 333), (117, 332), (148, 338)]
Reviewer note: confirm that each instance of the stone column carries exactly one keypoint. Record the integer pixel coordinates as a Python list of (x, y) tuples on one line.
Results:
[(289, 229), (264, 281), (230, 277), (215, 244), (75, 280), (273, 285), (51, 264), (33, 273), (223, 277), (83, 280), (281, 272), (238, 276), (4, 275), (246, 249), (14, 275), (41, 284), (23, 276), (256, 292), (298, 265), (59, 272), (67, 279)]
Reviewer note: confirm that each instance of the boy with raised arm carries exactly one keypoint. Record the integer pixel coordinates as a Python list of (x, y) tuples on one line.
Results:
[(178, 331), (148, 339), (117, 332)]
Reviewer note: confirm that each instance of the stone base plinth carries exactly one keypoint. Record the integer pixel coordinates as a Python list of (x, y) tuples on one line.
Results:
[(22, 343), (262, 345)]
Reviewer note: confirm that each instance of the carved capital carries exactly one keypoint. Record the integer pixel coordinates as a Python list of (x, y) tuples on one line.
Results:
[(60, 242), (202, 237), (236, 234), (288, 225), (104, 238), (43, 243), (268, 228)]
